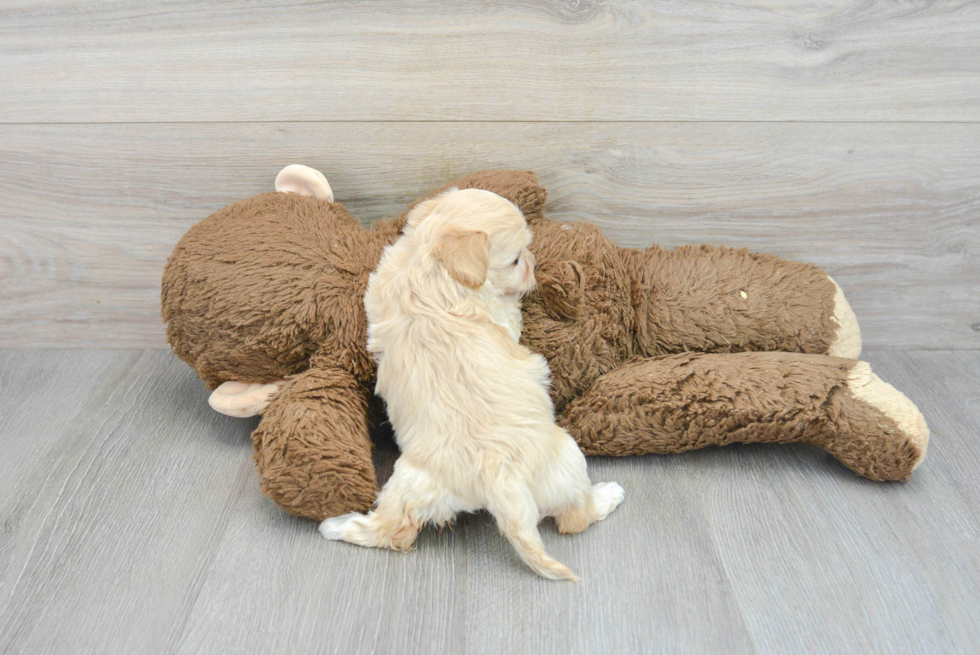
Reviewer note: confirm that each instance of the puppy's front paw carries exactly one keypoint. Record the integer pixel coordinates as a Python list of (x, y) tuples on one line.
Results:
[(335, 528), (607, 496)]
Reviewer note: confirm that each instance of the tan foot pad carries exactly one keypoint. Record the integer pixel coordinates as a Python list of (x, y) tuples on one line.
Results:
[(243, 400), (848, 341), (891, 402)]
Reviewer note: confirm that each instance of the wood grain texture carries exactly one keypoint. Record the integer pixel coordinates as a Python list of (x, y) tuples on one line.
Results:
[(138, 526), (898, 563), (109, 524), (45, 398), (92, 61), (89, 213)]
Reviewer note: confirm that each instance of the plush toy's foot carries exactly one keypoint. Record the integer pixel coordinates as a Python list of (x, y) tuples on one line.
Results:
[(847, 342), (877, 417), (305, 181), (243, 400)]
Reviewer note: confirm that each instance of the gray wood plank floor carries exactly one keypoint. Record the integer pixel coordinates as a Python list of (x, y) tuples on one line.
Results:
[(132, 522)]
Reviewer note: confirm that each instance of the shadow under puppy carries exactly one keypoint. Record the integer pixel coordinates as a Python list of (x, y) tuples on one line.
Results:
[(469, 404)]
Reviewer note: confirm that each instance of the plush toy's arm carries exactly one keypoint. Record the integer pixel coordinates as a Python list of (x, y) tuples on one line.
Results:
[(705, 299), (313, 447), (676, 403), (520, 187)]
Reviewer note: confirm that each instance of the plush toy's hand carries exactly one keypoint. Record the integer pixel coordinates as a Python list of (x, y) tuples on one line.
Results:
[(520, 187), (560, 288), (313, 447), (243, 400), (682, 402)]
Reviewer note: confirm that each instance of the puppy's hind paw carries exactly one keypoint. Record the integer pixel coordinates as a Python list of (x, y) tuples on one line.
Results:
[(335, 528), (608, 496)]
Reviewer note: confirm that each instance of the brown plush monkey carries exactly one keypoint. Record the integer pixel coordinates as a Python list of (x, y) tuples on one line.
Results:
[(651, 351)]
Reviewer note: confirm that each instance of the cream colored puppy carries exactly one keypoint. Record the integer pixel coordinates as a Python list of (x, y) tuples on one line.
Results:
[(469, 405)]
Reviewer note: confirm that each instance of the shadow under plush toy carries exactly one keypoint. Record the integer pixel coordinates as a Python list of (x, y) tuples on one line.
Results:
[(651, 351)]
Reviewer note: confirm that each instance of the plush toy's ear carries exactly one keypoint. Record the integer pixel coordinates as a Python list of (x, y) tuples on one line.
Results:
[(466, 256), (305, 181)]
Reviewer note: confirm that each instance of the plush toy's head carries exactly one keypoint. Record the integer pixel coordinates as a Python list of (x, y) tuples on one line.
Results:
[(257, 289)]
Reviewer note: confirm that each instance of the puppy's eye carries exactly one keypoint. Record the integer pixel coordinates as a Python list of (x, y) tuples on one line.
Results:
[(517, 261)]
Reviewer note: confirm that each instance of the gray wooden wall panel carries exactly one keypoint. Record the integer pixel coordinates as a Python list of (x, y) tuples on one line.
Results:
[(94, 61), (89, 213)]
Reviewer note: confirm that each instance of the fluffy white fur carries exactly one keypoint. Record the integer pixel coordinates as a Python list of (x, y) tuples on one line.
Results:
[(469, 405)]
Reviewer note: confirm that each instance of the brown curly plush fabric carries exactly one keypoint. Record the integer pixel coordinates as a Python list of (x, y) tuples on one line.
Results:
[(740, 316), (302, 464), (256, 289), (271, 288), (581, 318), (683, 402)]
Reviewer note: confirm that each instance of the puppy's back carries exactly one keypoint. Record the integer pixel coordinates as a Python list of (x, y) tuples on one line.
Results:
[(449, 375)]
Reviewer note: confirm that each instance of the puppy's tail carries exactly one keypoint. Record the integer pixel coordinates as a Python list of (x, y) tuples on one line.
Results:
[(532, 552), (517, 515)]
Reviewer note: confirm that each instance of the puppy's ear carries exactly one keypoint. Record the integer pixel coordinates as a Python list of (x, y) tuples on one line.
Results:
[(466, 256), (420, 211), (424, 208)]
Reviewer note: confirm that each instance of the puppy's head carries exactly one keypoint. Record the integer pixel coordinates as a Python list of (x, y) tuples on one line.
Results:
[(478, 237)]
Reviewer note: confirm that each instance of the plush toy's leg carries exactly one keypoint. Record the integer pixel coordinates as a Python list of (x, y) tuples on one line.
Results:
[(313, 448), (704, 299), (243, 400), (681, 402)]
